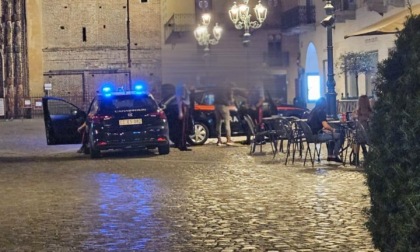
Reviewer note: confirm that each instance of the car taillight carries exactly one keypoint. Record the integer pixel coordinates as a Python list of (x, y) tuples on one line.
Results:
[(159, 114), (162, 139), (100, 118)]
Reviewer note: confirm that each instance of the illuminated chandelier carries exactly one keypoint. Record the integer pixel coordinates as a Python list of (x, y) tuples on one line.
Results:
[(202, 34), (239, 14)]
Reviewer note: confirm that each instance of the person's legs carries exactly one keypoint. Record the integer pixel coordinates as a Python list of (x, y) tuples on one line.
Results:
[(337, 143), (183, 142), (364, 149), (323, 137), (333, 146), (218, 114), (226, 118)]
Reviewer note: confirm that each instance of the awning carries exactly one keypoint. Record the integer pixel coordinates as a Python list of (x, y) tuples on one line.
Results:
[(388, 25)]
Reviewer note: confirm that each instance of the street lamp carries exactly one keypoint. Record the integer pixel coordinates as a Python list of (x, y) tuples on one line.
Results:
[(242, 19), (328, 23), (202, 34)]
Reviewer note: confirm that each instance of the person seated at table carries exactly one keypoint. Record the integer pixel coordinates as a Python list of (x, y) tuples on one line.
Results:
[(362, 114), (317, 120)]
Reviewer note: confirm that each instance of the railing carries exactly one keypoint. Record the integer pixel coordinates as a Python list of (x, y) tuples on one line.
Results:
[(298, 16), (344, 5), (344, 106), (344, 10)]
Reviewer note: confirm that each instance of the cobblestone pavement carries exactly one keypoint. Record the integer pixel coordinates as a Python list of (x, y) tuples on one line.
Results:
[(211, 199)]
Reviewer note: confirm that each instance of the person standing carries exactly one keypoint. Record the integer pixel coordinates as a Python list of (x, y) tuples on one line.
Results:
[(223, 98), (182, 94)]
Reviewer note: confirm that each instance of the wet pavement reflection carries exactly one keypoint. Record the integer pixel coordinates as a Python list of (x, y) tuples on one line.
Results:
[(211, 199)]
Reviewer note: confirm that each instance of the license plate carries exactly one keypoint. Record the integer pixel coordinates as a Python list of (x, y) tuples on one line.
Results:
[(130, 122)]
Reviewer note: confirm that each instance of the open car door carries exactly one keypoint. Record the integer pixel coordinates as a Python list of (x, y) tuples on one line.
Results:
[(61, 120)]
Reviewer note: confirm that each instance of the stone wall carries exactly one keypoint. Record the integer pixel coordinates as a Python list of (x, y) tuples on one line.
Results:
[(89, 37)]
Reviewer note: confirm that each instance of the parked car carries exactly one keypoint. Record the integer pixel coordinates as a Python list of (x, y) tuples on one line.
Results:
[(204, 118), (115, 120)]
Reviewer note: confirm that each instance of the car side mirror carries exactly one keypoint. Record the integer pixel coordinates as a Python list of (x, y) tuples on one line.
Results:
[(74, 112)]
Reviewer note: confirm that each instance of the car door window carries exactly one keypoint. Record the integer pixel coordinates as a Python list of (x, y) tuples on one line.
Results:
[(59, 107), (208, 99), (93, 108)]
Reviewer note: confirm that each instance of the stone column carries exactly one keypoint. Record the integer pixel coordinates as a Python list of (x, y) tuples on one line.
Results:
[(9, 62), (2, 85), (17, 53)]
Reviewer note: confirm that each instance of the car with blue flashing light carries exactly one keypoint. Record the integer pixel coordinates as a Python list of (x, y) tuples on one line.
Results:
[(115, 120)]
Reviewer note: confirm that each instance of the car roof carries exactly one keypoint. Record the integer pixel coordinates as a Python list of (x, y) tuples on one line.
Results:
[(124, 93)]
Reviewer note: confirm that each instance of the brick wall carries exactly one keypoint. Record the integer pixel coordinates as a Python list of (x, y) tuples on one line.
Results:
[(90, 36)]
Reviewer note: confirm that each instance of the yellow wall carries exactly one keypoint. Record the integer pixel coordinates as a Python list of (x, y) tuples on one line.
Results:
[(171, 7), (35, 43)]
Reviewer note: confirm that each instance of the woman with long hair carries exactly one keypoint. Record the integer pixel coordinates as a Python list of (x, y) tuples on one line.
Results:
[(362, 114)]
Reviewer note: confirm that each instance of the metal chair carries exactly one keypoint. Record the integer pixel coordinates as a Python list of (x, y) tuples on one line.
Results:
[(279, 131), (310, 138), (295, 139), (258, 136), (360, 138)]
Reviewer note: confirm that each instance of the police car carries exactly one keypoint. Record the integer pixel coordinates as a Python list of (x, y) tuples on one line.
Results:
[(114, 120), (204, 118)]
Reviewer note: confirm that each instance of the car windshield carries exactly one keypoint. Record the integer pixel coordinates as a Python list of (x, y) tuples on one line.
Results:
[(124, 102)]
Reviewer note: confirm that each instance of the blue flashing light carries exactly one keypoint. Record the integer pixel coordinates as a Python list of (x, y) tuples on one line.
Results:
[(138, 87), (106, 89)]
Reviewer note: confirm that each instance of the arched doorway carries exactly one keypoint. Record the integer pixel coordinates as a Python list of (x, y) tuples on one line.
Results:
[(312, 88)]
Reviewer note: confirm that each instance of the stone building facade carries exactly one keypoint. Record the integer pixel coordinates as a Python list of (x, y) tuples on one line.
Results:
[(87, 43), (77, 46)]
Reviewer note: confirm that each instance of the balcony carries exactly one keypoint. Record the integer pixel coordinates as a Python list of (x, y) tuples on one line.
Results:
[(344, 10), (179, 28), (276, 59), (298, 19), (381, 6)]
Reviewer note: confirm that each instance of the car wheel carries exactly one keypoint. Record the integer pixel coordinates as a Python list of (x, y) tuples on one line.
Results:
[(201, 134), (163, 150), (94, 152)]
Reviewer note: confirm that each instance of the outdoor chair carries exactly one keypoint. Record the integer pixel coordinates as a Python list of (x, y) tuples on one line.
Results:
[(311, 138), (278, 131), (360, 138), (295, 139), (258, 135)]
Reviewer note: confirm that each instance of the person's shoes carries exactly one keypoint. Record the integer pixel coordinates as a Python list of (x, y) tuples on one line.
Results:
[(230, 143), (81, 150), (334, 159), (184, 149), (246, 142), (219, 144)]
